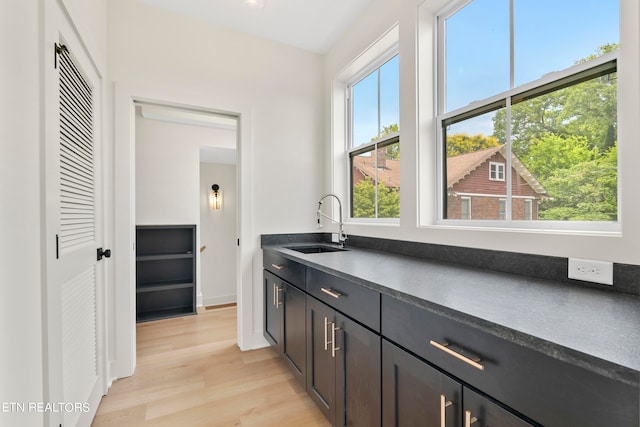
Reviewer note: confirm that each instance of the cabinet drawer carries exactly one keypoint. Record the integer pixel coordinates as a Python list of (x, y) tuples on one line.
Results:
[(356, 301), (284, 268), (544, 389)]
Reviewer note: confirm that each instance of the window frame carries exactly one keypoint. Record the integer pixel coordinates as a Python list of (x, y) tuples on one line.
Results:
[(499, 170), (549, 82), (372, 146)]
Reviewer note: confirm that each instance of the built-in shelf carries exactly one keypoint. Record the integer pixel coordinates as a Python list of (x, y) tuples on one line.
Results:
[(163, 257), (165, 271)]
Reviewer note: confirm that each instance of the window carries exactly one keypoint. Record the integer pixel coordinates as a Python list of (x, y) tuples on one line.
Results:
[(516, 95), (465, 208), (496, 171), (374, 143), (528, 209)]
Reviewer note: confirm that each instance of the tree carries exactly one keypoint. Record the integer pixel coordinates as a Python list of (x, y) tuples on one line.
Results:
[(568, 140), (461, 143), (585, 191), (392, 150), (364, 200)]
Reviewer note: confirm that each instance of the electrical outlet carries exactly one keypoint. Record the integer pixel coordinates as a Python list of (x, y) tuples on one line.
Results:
[(334, 237), (591, 271)]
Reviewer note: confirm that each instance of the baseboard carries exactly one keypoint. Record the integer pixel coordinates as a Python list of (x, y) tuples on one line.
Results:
[(219, 300)]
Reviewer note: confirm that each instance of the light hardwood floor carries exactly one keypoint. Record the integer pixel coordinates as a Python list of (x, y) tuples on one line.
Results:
[(190, 373)]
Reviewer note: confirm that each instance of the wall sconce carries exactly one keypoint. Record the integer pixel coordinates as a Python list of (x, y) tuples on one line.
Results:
[(215, 198)]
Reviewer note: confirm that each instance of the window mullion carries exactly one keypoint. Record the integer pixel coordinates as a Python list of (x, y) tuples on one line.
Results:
[(507, 128)]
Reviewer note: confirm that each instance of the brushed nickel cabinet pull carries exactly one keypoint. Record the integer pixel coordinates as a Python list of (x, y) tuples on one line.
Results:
[(468, 420), (278, 290), (331, 292), (277, 266), (274, 294), (444, 403), (445, 347), (333, 340), (326, 343)]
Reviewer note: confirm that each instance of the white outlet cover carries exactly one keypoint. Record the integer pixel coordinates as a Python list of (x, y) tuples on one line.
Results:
[(334, 237), (591, 271)]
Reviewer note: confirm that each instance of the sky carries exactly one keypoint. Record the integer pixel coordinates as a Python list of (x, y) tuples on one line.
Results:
[(549, 35), (365, 102)]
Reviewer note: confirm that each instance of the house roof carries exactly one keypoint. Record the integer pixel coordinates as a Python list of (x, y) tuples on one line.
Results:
[(458, 167), (390, 174)]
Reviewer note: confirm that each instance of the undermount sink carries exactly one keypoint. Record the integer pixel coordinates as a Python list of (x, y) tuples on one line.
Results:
[(316, 249)]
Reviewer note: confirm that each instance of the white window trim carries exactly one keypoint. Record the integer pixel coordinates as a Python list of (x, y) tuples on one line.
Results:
[(586, 227), (499, 170), (386, 55)]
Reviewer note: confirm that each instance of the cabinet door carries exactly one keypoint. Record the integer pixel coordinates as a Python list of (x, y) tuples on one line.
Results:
[(294, 342), (479, 411), (357, 355), (272, 309), (414, 393), (321, 366)]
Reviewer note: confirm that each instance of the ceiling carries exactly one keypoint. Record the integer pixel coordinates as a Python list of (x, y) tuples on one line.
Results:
[(313, 25)]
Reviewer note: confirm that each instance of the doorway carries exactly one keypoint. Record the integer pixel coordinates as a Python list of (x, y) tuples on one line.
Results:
[(123, 309)]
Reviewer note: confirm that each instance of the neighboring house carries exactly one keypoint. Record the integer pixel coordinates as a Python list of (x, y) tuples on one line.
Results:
[(388, 170), (476, 187)]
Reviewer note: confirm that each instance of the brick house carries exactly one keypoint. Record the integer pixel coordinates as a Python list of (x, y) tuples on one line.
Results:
[(476, 187)]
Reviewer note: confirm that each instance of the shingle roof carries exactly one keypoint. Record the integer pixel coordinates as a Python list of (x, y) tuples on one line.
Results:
[(462, 165), (390, 174)]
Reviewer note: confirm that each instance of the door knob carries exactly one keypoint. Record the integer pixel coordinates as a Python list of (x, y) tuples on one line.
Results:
[(106, 253)]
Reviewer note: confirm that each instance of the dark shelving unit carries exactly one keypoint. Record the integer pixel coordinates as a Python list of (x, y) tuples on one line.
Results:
[(165, 271)]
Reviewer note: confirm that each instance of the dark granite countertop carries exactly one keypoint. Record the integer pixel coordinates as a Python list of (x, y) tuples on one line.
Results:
[(596, 330)]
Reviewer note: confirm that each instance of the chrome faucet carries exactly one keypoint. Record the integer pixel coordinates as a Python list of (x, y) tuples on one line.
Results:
[(342, 235)]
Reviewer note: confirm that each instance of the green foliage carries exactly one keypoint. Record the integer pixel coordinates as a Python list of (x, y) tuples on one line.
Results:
[(461, 143), (568, 141), (585, 191), (364, 199)]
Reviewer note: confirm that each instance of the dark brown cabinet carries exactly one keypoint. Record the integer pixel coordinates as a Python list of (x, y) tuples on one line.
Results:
[(165, 271), (284, 322), (416, 393), (371, 359), (343, 367), (321, 362)]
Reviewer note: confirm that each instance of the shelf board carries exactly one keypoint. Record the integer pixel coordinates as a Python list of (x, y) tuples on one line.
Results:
[(164, 286), (146, 316), (160, 257)]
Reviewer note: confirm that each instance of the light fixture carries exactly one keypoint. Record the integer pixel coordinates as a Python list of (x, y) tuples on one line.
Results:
[(215, 198), (254, 4)]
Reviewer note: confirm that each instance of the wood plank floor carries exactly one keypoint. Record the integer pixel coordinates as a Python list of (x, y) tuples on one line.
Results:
[(190, 373)]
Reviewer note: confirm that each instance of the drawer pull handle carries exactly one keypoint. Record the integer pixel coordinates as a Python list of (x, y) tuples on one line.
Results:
[(468, 420), (326, 343), (277, 266), (334, 328), (445, 347), (331, 292), (444, 403)]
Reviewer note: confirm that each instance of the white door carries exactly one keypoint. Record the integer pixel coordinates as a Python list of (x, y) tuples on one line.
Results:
[(74, 286)]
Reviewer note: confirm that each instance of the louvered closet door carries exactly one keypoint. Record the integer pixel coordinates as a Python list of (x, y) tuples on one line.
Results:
[(75, 277), (77, 235)]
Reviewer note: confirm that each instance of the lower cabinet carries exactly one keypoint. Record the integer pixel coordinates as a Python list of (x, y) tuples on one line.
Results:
[(284, 320), (415, 393), (343, 367)]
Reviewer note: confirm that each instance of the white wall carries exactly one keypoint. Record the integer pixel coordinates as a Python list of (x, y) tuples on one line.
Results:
[(218, 234), (418, 199), (168, 174), (280, 85), (21, 351)]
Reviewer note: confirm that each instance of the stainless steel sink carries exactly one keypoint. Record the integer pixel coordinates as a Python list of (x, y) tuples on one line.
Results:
[(316, 249)]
